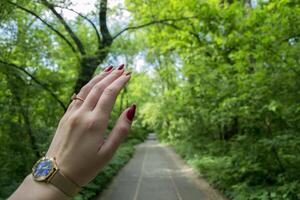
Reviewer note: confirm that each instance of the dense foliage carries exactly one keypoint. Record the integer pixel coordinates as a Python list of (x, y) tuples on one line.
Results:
[(221, 84), (228, 91)]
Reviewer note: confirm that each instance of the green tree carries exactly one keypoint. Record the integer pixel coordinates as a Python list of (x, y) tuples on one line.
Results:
[(233, 111)]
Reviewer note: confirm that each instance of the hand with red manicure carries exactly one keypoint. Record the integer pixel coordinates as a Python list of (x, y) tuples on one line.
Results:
[(78, 145)]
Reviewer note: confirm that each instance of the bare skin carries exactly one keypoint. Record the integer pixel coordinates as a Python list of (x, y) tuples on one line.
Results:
[(78, 144)]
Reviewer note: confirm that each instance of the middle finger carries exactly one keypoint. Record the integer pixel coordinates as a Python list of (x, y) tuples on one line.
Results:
[(95, 93), (85, 90)]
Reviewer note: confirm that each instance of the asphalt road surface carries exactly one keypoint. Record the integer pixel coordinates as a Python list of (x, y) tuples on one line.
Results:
[(156, 173)]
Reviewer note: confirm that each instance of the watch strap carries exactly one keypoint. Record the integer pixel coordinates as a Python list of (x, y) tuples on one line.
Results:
[(64, 184)]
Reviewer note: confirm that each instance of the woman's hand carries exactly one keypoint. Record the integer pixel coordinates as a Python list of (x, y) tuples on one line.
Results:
[(78, 144)]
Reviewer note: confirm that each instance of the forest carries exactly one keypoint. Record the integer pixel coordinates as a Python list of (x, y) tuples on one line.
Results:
[(218, 80)]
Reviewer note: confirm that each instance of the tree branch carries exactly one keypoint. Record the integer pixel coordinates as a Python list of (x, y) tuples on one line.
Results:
[(67, 27), (287, 39), (180, 29), (162, 21), (44, 22), (86, 18), (106, 37), (24, 111), (43, 85)]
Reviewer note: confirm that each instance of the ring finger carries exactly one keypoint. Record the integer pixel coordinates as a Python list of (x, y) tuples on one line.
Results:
[(76, 103)]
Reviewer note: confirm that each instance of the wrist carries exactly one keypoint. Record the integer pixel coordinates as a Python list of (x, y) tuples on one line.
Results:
[(31, 189)]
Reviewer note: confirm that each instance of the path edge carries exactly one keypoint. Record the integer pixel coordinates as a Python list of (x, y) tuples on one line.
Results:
[(210, 192)]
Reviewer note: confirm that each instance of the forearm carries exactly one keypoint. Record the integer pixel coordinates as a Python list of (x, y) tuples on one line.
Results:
[(31, 189)]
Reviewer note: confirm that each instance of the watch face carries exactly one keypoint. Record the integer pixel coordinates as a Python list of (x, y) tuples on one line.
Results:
[(43, 169)]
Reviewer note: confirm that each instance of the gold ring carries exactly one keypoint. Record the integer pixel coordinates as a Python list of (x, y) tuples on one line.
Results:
[(75, 97)]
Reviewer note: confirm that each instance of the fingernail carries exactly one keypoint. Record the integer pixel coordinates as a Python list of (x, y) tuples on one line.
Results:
[(108, 68), (131, 112), (121, 67), (128, 73)]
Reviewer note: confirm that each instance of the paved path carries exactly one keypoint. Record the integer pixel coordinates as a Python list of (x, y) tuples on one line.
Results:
[(156, 173)]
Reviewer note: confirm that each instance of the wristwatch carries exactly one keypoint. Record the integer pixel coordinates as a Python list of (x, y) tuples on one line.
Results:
[(46, 170)]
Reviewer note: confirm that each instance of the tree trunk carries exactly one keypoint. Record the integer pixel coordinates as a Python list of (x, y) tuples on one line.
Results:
[(273, 149), (24, 113), (232, 130), (88, 66)]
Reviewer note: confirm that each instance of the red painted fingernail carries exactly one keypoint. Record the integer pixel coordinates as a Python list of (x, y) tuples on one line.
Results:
[(128, 73), (109, 68), (131, 112), (121, 67)]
